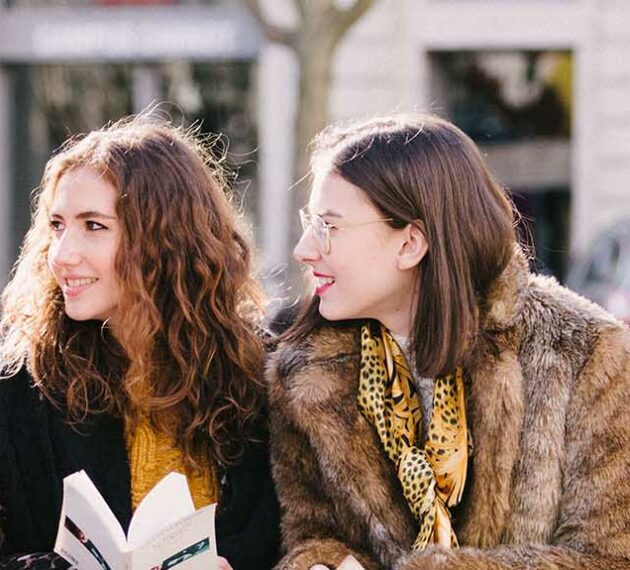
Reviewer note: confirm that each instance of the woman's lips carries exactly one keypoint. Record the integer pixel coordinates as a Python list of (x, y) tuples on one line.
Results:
[(77, 287), (323, 283)]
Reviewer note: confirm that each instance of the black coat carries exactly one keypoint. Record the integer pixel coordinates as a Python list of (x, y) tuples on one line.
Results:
[(38, 449)]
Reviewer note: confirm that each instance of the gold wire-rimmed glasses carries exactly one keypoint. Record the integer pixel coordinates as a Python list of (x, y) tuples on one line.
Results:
[(321, 228)]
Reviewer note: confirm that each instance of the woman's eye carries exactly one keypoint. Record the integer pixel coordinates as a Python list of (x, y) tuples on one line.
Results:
[(56, 225), (94, 226)]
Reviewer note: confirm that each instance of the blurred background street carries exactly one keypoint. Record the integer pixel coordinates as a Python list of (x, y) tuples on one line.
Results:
[(542, 86)]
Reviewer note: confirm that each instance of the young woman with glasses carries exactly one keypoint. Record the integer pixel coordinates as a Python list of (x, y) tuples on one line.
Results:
[(132, 347), (436, 405)]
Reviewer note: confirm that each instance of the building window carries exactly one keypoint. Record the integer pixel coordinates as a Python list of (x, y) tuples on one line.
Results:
[(517, 106)]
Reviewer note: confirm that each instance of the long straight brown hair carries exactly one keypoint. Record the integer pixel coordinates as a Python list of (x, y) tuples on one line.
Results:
[(420, 169), (186, 352)]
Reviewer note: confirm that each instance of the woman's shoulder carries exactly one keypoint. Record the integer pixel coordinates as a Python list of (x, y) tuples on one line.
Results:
[(543, 319), (18, 394), (318, 368), (555, 320), (322, 345), (13, 384), (549, 302)]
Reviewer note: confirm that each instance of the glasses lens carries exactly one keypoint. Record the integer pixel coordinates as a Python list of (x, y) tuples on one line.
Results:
[(305, 220), (320, 228)]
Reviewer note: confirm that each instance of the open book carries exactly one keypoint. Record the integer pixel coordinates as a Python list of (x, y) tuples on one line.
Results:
[(165, 531)]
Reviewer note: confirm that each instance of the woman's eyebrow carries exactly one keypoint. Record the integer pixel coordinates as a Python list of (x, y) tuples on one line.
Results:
[(87, 214), (94, 214)]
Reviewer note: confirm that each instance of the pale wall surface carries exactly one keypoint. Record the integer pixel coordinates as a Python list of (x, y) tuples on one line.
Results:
[(382, 66)]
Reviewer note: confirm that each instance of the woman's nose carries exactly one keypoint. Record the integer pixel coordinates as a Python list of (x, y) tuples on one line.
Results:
[(306, 250), (65, 251)]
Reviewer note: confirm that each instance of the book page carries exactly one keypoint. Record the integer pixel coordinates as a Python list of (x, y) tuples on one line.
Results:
[(188, 544), (168, 501), (89, 535)]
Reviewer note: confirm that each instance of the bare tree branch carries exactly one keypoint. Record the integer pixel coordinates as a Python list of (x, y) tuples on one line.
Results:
[(274, 33), (344, 19), (300, 6)]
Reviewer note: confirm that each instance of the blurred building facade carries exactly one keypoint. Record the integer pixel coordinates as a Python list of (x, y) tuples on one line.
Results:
[(541, 85), (573, 178), (71, 66)]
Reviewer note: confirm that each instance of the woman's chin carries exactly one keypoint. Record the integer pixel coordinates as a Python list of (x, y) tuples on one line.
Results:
[(332, 313)]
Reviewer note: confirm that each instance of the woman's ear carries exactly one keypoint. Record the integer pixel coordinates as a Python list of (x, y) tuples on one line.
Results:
[(413, 249)]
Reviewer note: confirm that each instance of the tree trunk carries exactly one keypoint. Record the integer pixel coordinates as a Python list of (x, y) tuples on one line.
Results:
[(315, 57), (322, 25)]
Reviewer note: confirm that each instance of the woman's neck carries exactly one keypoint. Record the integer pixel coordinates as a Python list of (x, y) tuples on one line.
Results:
[(399, 321)]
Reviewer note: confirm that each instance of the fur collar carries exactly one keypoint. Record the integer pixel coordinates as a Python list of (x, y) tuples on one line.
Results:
[(319, 379), (506, 295)]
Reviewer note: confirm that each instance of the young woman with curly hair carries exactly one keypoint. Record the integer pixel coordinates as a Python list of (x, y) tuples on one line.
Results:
[(438, 406), (131, 345)]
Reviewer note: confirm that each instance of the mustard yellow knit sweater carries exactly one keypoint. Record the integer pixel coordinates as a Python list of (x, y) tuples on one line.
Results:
[(153, 454)]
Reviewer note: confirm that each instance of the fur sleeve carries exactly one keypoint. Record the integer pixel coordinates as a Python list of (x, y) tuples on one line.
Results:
[(593, 529), (509, 558), (308, 523)]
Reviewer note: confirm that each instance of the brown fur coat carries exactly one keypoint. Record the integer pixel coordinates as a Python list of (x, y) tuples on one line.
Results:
[(548, 404)]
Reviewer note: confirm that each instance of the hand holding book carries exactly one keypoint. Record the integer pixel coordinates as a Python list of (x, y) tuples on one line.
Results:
[(165, 531)]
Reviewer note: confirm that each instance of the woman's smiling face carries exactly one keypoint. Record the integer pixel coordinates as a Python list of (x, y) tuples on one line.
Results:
[(360, 277), (85, 236)]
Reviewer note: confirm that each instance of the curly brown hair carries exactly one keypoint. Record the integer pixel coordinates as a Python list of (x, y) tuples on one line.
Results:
[(186, 343)]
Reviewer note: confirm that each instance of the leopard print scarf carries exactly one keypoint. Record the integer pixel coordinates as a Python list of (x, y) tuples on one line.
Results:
[(432, 478)]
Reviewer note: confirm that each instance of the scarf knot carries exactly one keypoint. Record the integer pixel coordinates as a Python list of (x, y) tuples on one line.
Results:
[(433, 477)]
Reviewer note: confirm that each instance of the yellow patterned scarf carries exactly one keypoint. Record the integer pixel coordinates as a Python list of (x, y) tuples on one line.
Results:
[(432, 478)]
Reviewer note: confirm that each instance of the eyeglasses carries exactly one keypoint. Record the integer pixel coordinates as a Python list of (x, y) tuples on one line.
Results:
[(321, 228)]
